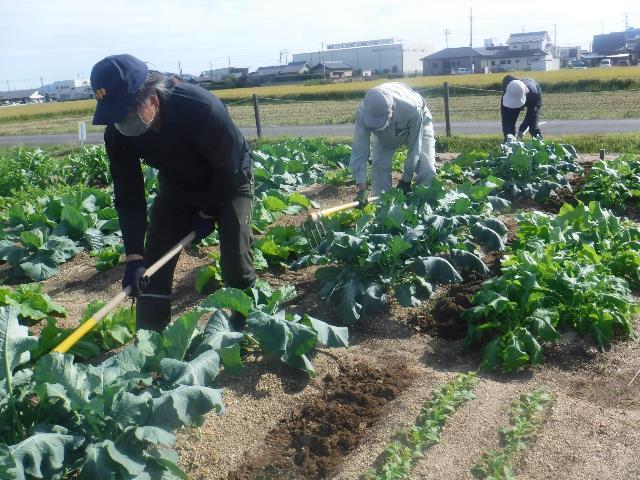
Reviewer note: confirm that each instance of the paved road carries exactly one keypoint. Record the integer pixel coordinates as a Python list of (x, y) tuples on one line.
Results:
[(556, 127)]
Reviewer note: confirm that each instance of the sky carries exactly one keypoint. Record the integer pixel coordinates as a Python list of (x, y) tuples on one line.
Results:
[(45, 40)]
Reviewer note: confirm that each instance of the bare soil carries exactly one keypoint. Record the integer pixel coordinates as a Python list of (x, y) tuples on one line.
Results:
[(282, 423), (313, 440)]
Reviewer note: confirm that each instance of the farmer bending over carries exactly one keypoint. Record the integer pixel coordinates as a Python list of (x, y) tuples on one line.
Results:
[(204, 173), (396, 115), (518, 94)]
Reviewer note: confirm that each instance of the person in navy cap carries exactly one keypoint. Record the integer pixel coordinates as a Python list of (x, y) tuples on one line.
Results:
[(518, 94), (204, 173), (395, 115)]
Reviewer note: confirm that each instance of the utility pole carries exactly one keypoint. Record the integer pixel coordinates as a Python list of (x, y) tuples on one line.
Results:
[(555, 41), (41, 83), (210, 69), (471, 37), (324, 69), (626, 22), (229, 62), (447, 32), (179, 68)]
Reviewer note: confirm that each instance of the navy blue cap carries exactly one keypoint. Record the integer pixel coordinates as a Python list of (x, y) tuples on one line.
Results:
[(114, 81)]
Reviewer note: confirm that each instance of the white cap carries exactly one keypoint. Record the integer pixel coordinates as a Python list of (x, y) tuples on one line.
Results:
[(377, 109), (515, 95)]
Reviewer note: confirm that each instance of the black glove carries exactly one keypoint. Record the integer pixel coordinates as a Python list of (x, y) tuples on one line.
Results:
[(404, 186), (203, 228), (134, 277), (362, 197)]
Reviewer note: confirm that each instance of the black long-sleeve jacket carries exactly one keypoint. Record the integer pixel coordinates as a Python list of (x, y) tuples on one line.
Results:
[(533, 102), (197, 151)]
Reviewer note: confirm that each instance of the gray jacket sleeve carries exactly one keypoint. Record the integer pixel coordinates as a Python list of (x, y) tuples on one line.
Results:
[(414, 142), (360, 151)]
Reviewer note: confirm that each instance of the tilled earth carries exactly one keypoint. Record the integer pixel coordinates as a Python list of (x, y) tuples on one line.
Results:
[(281, 424)]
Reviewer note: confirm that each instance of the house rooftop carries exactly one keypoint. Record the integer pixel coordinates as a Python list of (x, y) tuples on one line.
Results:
[(528, 37)]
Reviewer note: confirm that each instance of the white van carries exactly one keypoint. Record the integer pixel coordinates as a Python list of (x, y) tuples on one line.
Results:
[(605, 63)]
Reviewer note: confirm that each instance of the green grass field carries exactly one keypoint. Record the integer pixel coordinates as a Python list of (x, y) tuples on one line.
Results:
[(593, 79), (559, 106), (560, 79)]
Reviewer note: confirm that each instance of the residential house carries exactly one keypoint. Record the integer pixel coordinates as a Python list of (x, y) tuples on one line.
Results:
[(333, 70), (292, 68), (524, 51), (623, 48), (530, 41), (450, 60)]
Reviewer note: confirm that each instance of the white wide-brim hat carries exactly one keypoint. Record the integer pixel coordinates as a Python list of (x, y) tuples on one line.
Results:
[(515, 95)]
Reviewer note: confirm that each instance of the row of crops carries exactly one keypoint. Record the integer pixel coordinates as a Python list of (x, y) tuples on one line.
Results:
[(69, 416), (63, 416), (50, 209)]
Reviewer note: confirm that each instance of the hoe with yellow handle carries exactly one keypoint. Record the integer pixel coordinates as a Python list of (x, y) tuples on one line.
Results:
[(313, 227), (83, 329)]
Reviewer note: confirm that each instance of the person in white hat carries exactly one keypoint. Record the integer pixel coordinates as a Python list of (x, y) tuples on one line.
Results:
[(518, 94), (395, 115)]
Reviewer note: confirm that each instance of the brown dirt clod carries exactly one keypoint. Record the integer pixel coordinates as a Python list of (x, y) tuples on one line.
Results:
[(315, 438)]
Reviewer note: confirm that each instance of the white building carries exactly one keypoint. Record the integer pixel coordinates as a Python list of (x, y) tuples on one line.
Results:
[(76, 89), (381, 56), (530, 41)]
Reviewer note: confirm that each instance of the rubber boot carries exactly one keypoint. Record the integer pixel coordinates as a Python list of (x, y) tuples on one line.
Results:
[(153, 312)]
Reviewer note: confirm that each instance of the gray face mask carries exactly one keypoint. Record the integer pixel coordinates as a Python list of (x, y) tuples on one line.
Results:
[(133, 125)]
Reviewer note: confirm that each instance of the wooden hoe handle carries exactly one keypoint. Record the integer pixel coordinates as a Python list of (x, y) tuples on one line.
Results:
[(91, 322), (316, 216)]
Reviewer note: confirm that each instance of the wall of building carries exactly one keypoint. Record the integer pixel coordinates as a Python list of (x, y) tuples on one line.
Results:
[(388, 57), (413, 53), (377, 58), (526, 45), (77, 89), (545, 64), (507, 64), (538, 64)]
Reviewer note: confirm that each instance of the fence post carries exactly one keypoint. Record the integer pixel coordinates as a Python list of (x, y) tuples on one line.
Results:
[(256, 110), (447, 122)]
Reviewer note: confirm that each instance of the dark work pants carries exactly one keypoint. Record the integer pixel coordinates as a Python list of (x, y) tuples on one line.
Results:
[(171, 220), (509, 117)]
